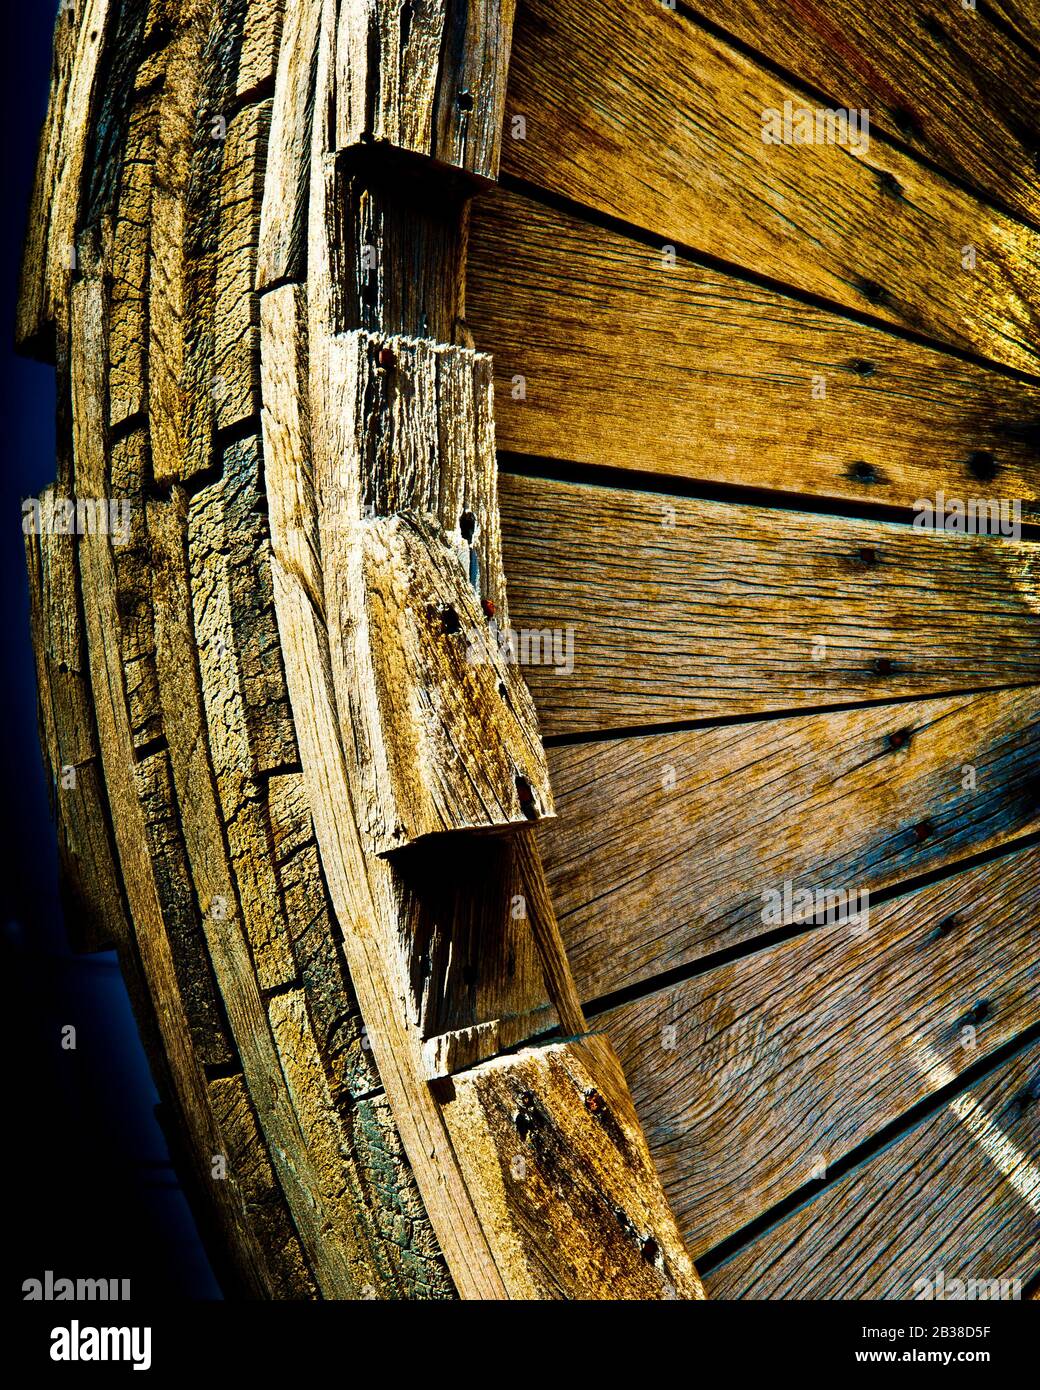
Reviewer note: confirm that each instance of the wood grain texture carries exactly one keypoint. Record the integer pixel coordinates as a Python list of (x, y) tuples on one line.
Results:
[(202, 1132), (283, 217), (398, 912), (683, 157), (445, 728), (48, 260), (871, 1235), (754, 1079), (428, 78), (665, 845), (91, 892), (608, 353), (654, 590), (231, 954), (944, 78), (567, 1190)]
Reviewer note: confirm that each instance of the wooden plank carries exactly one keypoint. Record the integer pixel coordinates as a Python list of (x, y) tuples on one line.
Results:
[(643, 592), (138, 872), (408, 511), (608, 353), (95, 915), (236, 311), (49, 256), (128, 312), (172, 280), (432, 84), (754, 1079), (945, 79), (665, 845), (261, 40), (683, 157), (957, 1197), (567, 1191), (283, 215)]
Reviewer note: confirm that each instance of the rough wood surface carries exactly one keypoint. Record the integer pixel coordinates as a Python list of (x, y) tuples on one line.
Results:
[(652, 590), (444, 725), (683, 158), (567, 1190), (945, 79), (399, 912), (870, 1236), (231, 950), (754, 1079), (665, 845), (427, 78), (48, 261), (91, 891), (608, 353)]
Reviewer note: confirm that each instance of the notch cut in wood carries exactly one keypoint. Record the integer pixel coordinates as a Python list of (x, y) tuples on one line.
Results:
[(427, 77), (570, 1202), (425, 677)]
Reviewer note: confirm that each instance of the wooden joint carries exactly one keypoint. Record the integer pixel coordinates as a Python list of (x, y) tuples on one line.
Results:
[(430, 79), (568, 1196), (426, 681)]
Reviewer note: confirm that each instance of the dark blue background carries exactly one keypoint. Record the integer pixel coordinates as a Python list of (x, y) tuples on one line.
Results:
[(89, 1190)]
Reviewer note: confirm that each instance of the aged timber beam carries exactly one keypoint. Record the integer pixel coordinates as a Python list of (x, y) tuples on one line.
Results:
[(414, 732)]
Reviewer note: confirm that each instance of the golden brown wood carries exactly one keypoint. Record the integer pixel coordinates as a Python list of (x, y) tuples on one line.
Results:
[(567, 1193), (870, 1235), (666, 845), (640, 594), (607, 352), (682, 157), (756, 1078), (942, 78)]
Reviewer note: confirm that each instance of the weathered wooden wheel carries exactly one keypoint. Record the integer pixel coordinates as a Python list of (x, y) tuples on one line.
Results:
[(294, 773), (738, 341)]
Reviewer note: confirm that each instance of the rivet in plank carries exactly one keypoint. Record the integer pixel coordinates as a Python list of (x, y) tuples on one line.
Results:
[(467, 525), (862, 367), (465, 100), (923, 830), (883, 666), (385, 358), (899, 738), (488, 607), (868, 556), (449, 618), (864, 472), (649, 1249), (594, 1102), (982, 465), (978, 1013), (873, 292), (946, 926)]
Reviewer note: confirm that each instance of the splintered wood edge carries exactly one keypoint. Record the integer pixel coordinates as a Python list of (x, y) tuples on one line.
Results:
[(551, 1147), (494, 1248)]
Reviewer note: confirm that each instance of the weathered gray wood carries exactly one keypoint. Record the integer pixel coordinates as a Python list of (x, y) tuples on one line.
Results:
[(754, 1079), (408, 513), (427, 78)]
